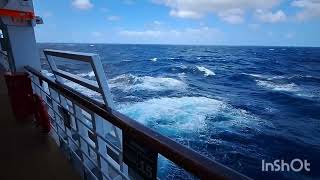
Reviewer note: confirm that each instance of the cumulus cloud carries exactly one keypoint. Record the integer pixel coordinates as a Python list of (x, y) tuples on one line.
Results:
[(228, 10), (310, 8), (232, 16), (186, 14), (82, 4), (202, 35), (269, 17)]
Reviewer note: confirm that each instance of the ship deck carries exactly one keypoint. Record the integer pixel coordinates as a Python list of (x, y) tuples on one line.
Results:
[(25, 153)]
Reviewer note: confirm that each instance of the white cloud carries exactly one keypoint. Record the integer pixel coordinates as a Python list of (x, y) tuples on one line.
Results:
[(232, 16), (157, 23), (113, 18), (202, 35), (269, 17), (228, 10), (310, 9), (82, 4), (186, 14)]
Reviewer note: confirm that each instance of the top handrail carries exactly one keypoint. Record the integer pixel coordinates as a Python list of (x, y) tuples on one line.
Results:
[(79, 56), (184, 157)]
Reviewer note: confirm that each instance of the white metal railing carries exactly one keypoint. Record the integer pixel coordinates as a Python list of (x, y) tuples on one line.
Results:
[(100, 142), (98, 139)]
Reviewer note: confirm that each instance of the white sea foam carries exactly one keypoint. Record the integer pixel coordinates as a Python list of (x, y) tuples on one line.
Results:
[(276, 83), (47, 73), (91, 45), (265, 77), (154, 59), (81, 89), (271, 49), (188, 114), (89, 74), (206, 71), (129, 82), (291, 87), (182, 75), (254, 75)]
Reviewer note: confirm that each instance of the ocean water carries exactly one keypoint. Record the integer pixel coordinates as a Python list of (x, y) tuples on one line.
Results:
[(236, 105)]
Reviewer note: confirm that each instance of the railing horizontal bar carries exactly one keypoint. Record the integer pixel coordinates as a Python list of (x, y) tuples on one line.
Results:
[(92, 85), (85, 57), (184, 157)]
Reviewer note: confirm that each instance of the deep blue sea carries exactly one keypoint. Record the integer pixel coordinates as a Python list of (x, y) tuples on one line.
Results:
[(236, 105)]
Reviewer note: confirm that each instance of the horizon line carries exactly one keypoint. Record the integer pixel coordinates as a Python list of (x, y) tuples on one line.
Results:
[(163, 44)]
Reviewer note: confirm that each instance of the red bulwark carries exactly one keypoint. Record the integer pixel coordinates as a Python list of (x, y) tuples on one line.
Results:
[(21, 95)]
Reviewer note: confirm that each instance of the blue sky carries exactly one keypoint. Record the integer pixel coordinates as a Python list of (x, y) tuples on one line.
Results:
[(208, 22)]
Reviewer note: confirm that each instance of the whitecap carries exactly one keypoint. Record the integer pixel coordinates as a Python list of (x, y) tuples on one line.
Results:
[(128, 82), (206, 71), (271, 49), (255, 75), (91, 45), (185, 114), (47, 73), (154, 59), (82, 89), (88, 74), (182, 75), (289, 87), (266, 77)]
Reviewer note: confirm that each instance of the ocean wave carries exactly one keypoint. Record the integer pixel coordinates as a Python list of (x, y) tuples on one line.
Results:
[(182, 75), (266, 77), (82, 90), (190, 114), (87, 74), (282, 77), (291, 87), (154, 59), (206, 71), (128, 82), (47, 73), (304, 77)]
